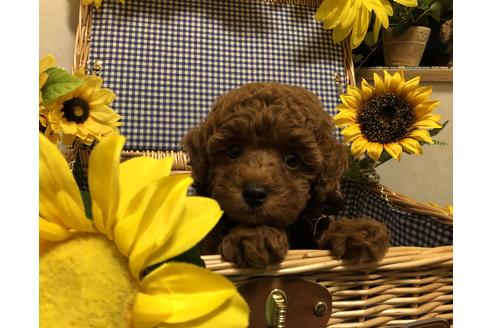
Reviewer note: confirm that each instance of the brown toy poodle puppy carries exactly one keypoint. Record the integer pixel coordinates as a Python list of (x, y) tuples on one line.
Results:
[(266, 153)]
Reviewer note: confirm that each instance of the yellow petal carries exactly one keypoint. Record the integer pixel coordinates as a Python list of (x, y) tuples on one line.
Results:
[(330, 12), (427, 124), (52, 231), (149, 310), (375, 29), (351, 132), (421, 135), (378, 84), (194, 293), (104, 113), (374, 150), (354, 92), (200, 215), (138, 207), (394, 149), (359, 146), (360, 29), (345, 117), (367, 90), (102, 96), (103, 180), (420, 95), (423, 109), (59, 196), (396, 83), (408, 3), (46, 62), (411, 146), (409, 87), (350, 101), (157, 209), (339, 34)]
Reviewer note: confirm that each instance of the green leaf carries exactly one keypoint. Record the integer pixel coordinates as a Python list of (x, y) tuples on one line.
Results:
[(357, 58), (435, 10), (86, 199), (434, 132), (59, 83)]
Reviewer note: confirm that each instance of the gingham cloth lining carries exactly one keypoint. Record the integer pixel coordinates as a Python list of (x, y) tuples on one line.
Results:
[(407, 229), (168, 60)]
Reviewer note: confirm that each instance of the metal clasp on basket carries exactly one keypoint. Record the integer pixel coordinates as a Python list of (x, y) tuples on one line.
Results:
[(97, 67), (276, 309)]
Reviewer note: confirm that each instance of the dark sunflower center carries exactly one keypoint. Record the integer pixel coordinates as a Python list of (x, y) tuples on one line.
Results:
[(386, 118), (76, 110)]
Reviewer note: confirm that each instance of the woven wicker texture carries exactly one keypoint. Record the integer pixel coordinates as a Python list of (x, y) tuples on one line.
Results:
[(408, 284)]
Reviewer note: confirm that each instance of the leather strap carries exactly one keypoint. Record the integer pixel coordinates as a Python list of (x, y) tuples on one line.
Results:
[(286, 302)]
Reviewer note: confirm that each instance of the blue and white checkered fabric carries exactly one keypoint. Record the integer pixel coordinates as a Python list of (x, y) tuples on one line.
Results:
[(407, 229), (169, 60)]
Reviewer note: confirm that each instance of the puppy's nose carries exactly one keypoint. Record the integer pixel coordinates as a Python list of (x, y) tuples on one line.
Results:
[(254, 194)]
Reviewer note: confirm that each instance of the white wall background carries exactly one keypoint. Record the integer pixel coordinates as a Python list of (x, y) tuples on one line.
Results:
[(425, 178)]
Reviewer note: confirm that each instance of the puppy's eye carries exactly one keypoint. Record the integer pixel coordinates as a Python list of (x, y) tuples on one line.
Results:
[(293, 160), (233, 152)]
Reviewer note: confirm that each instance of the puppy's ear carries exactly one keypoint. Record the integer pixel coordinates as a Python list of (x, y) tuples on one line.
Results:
[(325, 191), (195, 145)]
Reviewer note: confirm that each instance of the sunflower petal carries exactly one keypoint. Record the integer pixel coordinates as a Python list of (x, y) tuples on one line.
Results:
[(421, 135), (407, 3), (150, 310), (195, 293), (397, 82), (46, 62), (423, 109), (359, 146), (339, 34), (60, 200), (394, 149), (351, 132), (411, 146), (360, 28), (52, 231), (350, 101), (330, 11), (200, 215), (378, 84), (158, 208), (420, 95), (374, 150), (427, 124), (367, 90), (409, 87), (345, 117), (103, 180)]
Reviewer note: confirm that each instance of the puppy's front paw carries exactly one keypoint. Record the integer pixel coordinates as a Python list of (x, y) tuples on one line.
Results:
[(254, 247), (359, 240)]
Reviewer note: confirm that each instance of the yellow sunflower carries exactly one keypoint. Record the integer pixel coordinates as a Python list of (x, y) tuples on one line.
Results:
[(84, 112), (93, 271), (97, 3), (393, 115), (45, 63), (346, 16)]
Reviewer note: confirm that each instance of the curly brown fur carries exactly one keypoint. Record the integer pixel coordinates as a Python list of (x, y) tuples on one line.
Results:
[(268, 122), (254, 247), (358, 240)]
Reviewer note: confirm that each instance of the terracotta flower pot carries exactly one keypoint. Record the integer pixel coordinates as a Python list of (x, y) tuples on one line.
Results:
[(407, 48)]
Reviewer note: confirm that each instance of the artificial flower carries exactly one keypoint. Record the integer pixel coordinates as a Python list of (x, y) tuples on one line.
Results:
[(354, 16), (93, 271), (84, 112), (45, 63), (97, 3), (394, 115)]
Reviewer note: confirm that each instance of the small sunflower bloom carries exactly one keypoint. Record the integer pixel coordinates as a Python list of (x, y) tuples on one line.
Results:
[(352, 17), (84, 113), (93, 271), (392, 115)]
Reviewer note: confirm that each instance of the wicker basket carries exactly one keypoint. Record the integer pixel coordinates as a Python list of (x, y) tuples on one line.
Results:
[(408, 284)]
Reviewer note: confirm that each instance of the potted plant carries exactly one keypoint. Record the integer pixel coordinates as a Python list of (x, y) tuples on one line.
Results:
[(405, 40)]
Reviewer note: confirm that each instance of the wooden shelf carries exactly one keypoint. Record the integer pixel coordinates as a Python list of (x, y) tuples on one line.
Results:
[(427, 74)]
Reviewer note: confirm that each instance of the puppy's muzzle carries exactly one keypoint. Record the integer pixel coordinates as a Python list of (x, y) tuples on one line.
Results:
[(254, 194)]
